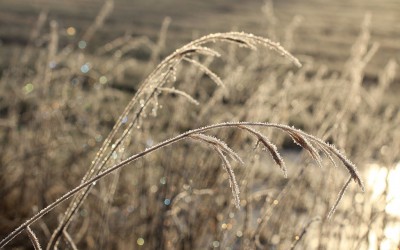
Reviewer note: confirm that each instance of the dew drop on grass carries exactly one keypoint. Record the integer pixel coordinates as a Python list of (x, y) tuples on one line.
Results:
[(154, 111), (124, 120), (149, 142), (115, 155)]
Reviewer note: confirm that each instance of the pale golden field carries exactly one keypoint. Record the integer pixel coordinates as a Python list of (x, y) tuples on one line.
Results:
[(199, 125)]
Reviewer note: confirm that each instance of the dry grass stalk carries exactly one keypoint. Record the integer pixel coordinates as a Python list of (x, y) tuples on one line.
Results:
[(222, 149), (339, 198), (52, 52), (215, 142), (232, 179), (303, 232), (207, 71), (69, 240), (181, 93), (33, 36), (179, 205), (304, 143), (105, 11), (328, 154), (33, 238), (272, 149), (160, 43)]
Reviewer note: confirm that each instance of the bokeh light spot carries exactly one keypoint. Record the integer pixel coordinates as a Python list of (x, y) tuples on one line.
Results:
[(103, 80), (28, 88), (82, 44), (71, 31), (163, 180), (85, 68), (140, 241)]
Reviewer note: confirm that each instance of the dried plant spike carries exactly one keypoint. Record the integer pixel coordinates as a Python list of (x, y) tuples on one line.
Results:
[(245, 40), (243, 43), (221, 148), (351, 168), (33, 238), (331, 148), (219, 144), (250, 38), (205, 51), (232, 179), (346, 162), (206, 71), (304, 143), (181, 93), (270, 147), (339, 198), (328, 154)]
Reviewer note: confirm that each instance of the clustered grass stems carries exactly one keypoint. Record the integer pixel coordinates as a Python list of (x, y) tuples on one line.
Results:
[(146, 96), (196, 134)]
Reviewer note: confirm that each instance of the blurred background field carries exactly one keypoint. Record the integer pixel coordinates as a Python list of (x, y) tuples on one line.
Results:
[(326, 33), (68, 69)]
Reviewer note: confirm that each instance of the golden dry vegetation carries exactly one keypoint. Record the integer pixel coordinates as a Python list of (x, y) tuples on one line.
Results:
[(122, 128)]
